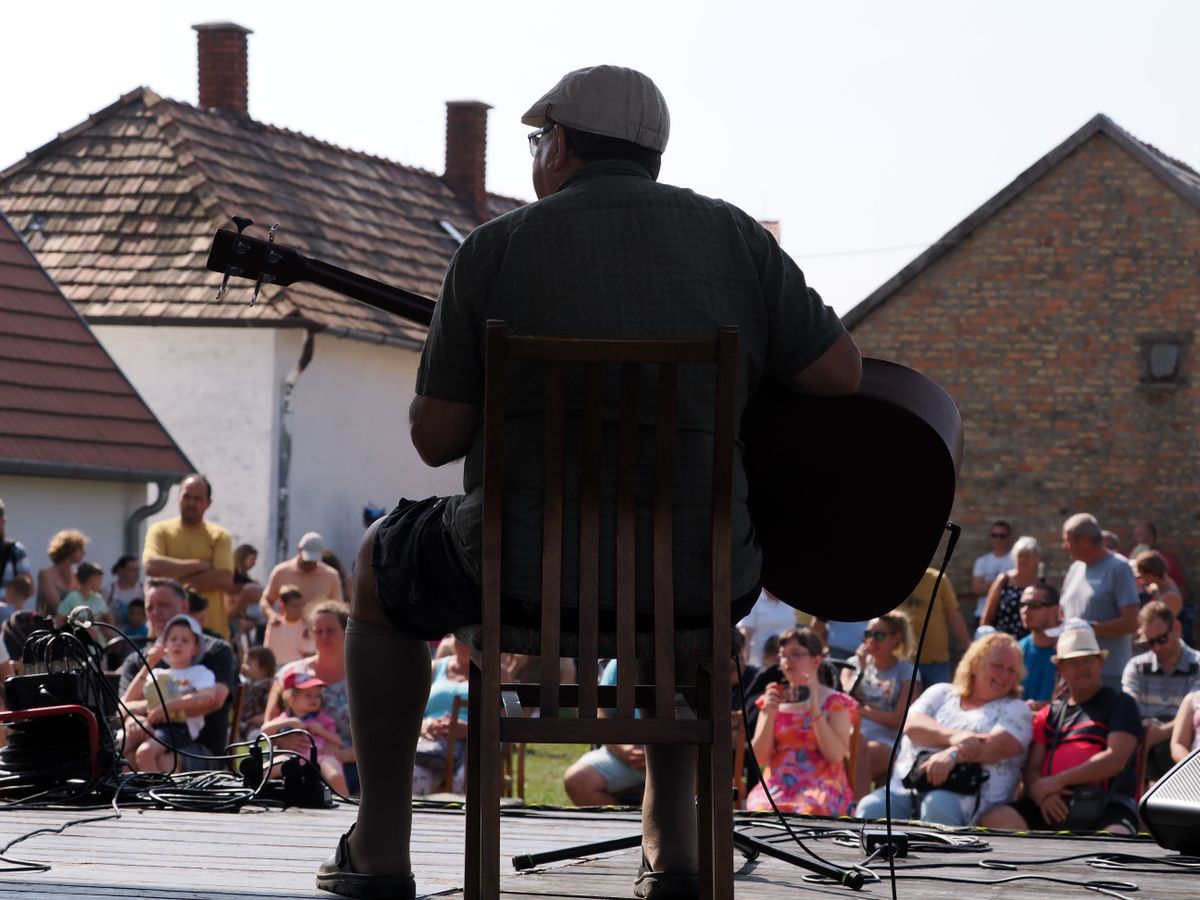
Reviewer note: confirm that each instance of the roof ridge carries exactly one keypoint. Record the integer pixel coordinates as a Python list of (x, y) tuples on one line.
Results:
[(294, 133), (1157, 162)]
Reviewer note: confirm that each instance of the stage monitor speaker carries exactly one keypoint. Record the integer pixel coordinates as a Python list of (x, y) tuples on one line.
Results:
[(1171, 809)]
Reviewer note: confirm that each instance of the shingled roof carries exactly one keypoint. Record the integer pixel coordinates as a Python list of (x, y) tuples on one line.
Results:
[(121, 210), (65, 407), (1179, 176)]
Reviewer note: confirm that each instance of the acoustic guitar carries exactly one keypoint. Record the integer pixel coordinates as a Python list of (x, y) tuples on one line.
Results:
[(849, 496)]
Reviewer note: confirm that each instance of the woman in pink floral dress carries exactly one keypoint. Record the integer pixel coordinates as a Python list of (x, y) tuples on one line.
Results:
[(803, 735)]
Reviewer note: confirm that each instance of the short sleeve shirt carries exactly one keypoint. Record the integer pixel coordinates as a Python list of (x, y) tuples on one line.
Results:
[(615, 254), (1084, 729), (1097, 592), (943, 704), (208, 542), (1159, 693), (937, 640)]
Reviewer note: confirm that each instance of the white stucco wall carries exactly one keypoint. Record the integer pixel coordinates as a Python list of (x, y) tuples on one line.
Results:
[(218, 392), (215, 390), (36, 508), (350, 443)]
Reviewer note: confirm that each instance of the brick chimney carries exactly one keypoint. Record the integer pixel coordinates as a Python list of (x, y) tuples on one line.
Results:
[(221, 49), (466, 152)]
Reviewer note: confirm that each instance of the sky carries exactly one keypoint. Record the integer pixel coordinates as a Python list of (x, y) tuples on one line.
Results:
[(868, 129)]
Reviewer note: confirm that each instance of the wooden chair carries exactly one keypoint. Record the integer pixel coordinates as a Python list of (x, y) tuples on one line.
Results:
[(695, 715), (738, 736)]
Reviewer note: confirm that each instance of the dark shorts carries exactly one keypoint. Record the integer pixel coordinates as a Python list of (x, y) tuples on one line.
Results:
[(428, 594), (1116, 812)]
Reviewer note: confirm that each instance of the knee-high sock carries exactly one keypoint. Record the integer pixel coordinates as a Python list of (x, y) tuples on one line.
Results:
[(387, 680)]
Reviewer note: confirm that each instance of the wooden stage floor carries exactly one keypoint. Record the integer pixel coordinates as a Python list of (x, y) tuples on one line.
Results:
[(170, 855)]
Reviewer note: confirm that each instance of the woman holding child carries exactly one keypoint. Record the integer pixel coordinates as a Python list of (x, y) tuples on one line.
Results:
[(327, 627)]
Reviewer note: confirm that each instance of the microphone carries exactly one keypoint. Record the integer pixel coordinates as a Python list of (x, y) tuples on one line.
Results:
[(80, 617)]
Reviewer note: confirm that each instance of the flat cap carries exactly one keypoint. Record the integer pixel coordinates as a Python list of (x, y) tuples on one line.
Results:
[(607, 100)]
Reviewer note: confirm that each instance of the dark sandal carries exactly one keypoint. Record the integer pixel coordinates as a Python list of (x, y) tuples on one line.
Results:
[(337, 876), (664, 885)]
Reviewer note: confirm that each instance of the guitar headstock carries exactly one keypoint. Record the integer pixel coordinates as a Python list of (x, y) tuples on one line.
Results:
[(239, 255)]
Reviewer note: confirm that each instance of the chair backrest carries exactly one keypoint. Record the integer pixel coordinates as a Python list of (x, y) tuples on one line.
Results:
[(595, 359)]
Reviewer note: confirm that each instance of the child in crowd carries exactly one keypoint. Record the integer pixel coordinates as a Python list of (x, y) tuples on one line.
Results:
[(89, 575), (302, 702), (16, 594), (179, 686), (258, 671), (289, 638), (125, 587), (1039, 611), (135, 619)]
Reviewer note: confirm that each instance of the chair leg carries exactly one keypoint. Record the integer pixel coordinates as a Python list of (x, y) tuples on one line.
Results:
[(475, 821), (489, 786)]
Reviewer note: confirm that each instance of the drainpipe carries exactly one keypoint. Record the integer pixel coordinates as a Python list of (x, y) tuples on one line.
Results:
[(282, 544), (133, 526)]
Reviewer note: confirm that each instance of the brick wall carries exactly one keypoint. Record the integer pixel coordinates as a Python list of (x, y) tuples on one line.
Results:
[(1032, 324)]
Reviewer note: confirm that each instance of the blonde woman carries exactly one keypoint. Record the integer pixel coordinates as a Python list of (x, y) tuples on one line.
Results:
[(879, 682), (66, 550), (978, 718)]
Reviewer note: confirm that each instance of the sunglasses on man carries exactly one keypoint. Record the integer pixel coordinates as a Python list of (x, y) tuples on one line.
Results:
[(1156, 641)]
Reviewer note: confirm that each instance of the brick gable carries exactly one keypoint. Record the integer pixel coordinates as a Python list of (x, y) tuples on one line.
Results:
[(1033, 320)]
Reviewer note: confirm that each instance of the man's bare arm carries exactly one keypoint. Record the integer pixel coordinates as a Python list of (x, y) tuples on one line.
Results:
[(442, 430), (170, 567), (210, 580), (835, 372), (1125, 623)]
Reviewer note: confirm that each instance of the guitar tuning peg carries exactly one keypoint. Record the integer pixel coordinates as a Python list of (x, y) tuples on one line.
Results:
[(243, 222)]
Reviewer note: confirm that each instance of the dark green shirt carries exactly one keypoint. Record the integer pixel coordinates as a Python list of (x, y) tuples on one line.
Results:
[(615, 254)]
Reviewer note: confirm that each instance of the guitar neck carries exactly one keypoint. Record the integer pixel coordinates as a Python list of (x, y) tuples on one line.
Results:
[(382, 296)]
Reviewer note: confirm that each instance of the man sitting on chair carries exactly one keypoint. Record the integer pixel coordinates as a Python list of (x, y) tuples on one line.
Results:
[(605, 251)]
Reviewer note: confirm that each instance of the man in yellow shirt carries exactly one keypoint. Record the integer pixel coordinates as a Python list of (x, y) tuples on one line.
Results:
[(196, 553), (947, 618)]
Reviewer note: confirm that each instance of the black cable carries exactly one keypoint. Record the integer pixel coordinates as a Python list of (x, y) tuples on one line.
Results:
[(955, 532), (757, 776)]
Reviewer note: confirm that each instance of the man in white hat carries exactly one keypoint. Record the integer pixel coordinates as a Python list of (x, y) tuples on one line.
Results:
[(1080, 774), (316, 580), (606, 251)]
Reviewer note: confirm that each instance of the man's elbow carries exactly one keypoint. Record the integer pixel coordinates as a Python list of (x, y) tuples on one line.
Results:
[(837, 372)]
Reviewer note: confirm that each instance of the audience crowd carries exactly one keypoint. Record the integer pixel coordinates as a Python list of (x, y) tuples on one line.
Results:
[(1066, 702)]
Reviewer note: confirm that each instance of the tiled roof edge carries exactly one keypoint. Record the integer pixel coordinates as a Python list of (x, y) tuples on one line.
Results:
[(140, 93), (84, 322), (91, 473)]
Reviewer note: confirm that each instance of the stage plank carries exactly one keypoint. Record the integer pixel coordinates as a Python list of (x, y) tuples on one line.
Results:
[(256, 854)]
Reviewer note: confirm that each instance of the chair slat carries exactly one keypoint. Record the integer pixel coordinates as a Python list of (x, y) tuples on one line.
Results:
[(667, 391), (552, 521), (627, 441), (587, 672)]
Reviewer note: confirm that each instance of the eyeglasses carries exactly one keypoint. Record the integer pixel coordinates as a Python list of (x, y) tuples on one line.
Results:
[(1000, 535), (535, 137), (869, 635), (1034, 604), (1161, 639), (793, 657)]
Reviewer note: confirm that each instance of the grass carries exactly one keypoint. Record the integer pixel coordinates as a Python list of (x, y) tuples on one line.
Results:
[(545, 765)]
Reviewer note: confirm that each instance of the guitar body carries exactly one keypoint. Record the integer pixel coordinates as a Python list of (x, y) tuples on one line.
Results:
[(849, 495)]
